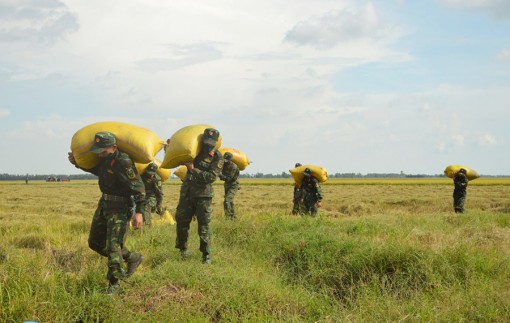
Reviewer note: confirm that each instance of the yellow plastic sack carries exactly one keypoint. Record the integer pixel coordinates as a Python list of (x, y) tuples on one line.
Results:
[(318, 172), (181, 172), (162, 172), (184, 145), (166, 218), (451, 170), (238, 157), (139, 143)]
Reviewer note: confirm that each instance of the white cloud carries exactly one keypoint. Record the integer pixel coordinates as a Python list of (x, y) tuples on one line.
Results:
[(487, 140), (180, 56), (498, 8), (35, 21), (4, 113), (339, 27), (504, 55)]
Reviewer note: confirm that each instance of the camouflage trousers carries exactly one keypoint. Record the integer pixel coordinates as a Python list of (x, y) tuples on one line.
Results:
[(228, 202), (458, 202), (298, 206), (310, 205), (107, 236), (186, 209), (150, 207)]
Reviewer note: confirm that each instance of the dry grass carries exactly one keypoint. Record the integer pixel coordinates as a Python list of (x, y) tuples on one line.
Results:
[(381, 250)]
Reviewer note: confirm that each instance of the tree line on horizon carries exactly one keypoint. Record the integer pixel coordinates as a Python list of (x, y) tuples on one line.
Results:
[(64, 177)]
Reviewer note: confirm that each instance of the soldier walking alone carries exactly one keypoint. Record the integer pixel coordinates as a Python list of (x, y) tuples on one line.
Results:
[(460, 181)]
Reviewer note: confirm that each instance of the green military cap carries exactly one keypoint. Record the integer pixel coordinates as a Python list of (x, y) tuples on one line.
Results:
[(152, 168), (211, 136), (307, 172), (103, 140)]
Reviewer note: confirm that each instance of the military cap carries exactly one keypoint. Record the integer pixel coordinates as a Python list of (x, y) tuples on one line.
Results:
[(228, 156), (307, 172), (152, 168), (211, 136), (103, 140), (297, 165)]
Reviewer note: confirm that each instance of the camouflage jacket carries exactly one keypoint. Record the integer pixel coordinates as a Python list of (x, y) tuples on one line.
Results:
[(298, 193), (118, 176), (311, 188), (153, 186), (461, 182), (198, 181), (230, 174)]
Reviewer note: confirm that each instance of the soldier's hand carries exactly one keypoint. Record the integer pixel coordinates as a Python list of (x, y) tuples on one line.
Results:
[(137, 220), (71, 158), (189, 166), (319, 204)]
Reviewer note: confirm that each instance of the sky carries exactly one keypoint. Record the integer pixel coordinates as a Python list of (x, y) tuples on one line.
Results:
[(383, 86)]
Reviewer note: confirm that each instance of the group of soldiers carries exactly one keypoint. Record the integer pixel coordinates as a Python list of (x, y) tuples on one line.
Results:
[(128, 196)]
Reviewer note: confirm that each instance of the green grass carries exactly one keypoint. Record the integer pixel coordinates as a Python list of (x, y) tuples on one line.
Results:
[(375, 253)]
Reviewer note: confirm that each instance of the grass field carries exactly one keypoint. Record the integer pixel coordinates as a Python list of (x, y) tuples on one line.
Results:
[(380, 250)]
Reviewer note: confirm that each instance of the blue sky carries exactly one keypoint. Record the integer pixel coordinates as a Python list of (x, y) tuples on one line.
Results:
[(353, 86)]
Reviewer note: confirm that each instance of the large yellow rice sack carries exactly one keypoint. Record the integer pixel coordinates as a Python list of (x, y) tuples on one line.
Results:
[(318, 172), (451, 170), (184, 145), (162, 172), (238, 157), (167, 218), (139, 143), (181, 172)]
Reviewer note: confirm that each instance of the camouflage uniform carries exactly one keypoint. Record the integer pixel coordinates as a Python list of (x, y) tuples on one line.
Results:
[(153, 193), (121, 185), (230, 174), (298, 207), (459, 193), (312, 193), (196, 195)]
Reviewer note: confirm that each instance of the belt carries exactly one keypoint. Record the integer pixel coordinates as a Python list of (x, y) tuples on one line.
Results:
[(115, 198)]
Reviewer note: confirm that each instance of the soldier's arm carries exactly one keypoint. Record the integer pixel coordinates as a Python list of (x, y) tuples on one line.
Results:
[(158, 189), (129, 176), (465, 182), (72, 160), (232, 173), (319, 190), (209, 176)]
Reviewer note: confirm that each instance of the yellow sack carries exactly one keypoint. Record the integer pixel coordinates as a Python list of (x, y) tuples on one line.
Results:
[(139, 143), (451, 170), (181, 172), (166, 218), (162, 172), (318, 172), (238, 157), (184, 145)]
